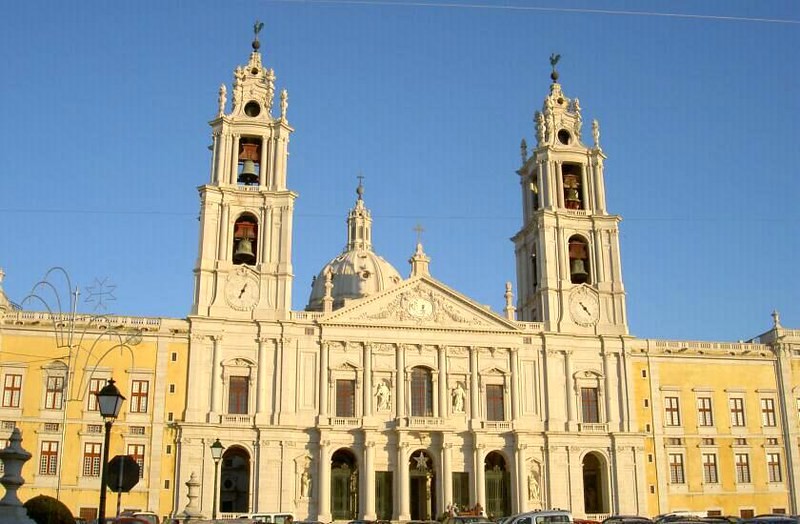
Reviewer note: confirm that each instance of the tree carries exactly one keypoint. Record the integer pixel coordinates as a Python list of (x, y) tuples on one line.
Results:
[(47, 510)]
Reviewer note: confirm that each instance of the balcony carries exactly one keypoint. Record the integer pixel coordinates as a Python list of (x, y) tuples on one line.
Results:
[(593, 427), (345, 422), (497, 425), (236, 420), (424, 422)]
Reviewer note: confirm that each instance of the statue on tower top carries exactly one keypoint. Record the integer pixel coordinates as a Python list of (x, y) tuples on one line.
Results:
[(554, 58), (257, 27)]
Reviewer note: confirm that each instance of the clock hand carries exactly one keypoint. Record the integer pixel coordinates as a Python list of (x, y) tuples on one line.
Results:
[(585, 308), (242, 291)]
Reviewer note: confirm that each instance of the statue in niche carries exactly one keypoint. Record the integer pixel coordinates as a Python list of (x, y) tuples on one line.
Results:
[(305, 484), (459, 394), (384, 396)]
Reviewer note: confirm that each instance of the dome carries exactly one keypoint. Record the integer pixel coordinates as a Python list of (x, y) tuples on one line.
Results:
[(358, 271)]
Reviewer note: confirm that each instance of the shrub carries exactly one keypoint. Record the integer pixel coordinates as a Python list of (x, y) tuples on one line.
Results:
[(47, 510)]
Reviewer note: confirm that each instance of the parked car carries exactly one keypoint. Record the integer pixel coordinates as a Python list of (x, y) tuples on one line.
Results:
[(626, 519), (465, 519), (554, 516)]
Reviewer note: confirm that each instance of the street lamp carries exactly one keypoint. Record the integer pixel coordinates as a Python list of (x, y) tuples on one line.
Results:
[(110, 401), (216, 453)]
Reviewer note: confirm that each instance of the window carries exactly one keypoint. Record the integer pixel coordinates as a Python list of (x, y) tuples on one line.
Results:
[(12, 385), (421, 393), (137, 452), (494, 402), (768, 412), (238, 395), (345, 398), (48, 460), (740, 442), (590, 410), (737, 411), (742, 468), (91, 459), (676, 468), (139, 390), (172, 388), (704, 414), (772, 441), (672, 411), (774, 467), (707, 442), (95, 385), (54, 394), (710, 468)]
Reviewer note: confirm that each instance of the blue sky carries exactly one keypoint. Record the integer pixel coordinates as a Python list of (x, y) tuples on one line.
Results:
[(105, 140)]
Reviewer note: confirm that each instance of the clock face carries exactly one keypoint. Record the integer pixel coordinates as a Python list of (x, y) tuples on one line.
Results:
[(419, 307), (584, 307), (241, 291)]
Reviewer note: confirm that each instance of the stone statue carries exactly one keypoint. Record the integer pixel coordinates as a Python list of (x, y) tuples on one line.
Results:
[(384, 396), (540, 127), (596, 133), (284, 103), (458, 398), (222, 100), (533, 486), (305, 484)]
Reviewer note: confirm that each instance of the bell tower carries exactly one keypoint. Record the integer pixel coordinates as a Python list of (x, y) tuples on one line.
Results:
[(567, 251), (244, 268)]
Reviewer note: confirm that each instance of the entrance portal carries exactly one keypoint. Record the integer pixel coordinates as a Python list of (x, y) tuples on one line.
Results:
[(593, 485), (498, 486), (344, 485), (234, 485), (422, 486)]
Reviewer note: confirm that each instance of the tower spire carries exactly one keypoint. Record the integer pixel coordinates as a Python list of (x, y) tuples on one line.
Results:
[(359, 222)]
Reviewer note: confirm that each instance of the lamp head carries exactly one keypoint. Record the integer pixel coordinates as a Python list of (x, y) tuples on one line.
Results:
[(110, 400), (216, 450)]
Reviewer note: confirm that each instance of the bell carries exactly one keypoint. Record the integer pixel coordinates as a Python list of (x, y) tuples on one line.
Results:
[(249, 175), (244, 252), (577, 271)]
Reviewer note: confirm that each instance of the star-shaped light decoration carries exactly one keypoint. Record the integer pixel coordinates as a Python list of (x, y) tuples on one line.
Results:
[(422, 462), (100, 293)]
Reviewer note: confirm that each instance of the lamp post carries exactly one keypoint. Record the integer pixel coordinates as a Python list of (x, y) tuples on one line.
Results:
[(216, 453), (109, 400)]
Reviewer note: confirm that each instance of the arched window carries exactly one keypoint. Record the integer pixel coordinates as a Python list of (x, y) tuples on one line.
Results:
[(571, 180), (579, 260), (245, 240), (249, 170), (421, 392)]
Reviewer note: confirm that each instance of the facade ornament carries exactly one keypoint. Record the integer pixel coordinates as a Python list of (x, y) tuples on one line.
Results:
[(193, 494), (238, 88), (306, 483), (222, 99), (596, 133), (284, 103), (523, 151), (384, 396), (776, 319), (422, 462), (459, 394), (554, 58), (534, 493), (540, 127)]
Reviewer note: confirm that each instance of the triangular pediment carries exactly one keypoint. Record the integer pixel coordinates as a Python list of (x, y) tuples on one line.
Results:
[(420, 302)]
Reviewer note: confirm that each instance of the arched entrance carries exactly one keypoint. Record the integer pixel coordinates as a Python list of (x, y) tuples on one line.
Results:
[(498, 486), (344, 485), (594, 484), (234, 481), (422, 489)]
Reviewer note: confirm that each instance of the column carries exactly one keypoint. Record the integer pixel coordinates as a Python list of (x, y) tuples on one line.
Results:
[(216, 380), (266, 233), (368, 385), (480, 477), (515, 393), (261, 382), (324, 484), (585, 193), (547, 174), (473, 386), (262, 167), (559, 186), (235, 160), (443, 411), (447, 474), (323, 381), (612, 395), (522, 478), (223, 231), (570, 390), (403, 509), (368, 474), (400, 380), (540, 184)]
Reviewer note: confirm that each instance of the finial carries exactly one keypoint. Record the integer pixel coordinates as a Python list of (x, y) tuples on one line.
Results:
[(596, 133), (523, 150), (360, 188), (554, 58), (257, 27), (776, 318), (284, 103), (419, 230)]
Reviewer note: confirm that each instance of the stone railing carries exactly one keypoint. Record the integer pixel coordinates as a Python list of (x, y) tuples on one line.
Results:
[(593, 427), (497, 425), (306, 315), (424, 422), (97, 321), (347, 422), (236, 420)]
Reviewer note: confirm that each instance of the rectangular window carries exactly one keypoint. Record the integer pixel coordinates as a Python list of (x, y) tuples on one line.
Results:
[(768, 412), (704, 414), (139, 391), (710, 468), (676, 468), (345, 398), (384, 501), (590, 410), (48, 460), (91, 459), (238, 395), (95, 385), (54, 394), (672, 412), (742, 468), (137, 452), (774, 467), (494, 402), (12, 386), (737, 411), (461, 489)]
